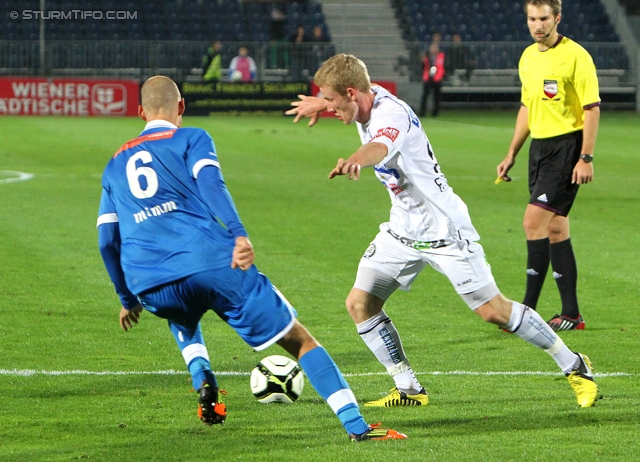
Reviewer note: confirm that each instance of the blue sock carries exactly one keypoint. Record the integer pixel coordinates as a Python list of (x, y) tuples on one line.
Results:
[(194, 352), (328, 381), (200, 370)]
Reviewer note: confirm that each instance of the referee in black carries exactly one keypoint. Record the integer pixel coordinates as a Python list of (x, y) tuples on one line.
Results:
[(561, 111)]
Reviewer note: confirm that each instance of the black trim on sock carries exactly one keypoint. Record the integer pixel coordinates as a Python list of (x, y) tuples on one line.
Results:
[(374, 326)]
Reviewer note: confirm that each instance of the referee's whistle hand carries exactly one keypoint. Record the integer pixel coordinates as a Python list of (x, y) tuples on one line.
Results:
[(503, 168), (582, 173)]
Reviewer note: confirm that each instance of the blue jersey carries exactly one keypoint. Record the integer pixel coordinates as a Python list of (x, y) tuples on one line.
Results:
[(159, 224)]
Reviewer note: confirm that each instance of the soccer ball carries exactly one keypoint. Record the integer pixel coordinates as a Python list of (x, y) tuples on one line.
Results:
[(277, 379), (236, 76)]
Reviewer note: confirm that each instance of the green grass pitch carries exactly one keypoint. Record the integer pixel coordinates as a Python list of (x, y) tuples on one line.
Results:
[(74, 386)]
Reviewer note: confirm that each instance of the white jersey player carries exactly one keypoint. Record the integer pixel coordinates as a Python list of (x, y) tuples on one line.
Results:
[(429, 225), (424, 206)]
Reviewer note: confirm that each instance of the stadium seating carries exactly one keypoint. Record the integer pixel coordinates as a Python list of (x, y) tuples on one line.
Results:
[(196, 21), (501, 20), (77, 42), (494, 31), (226, 20), (632, 6)]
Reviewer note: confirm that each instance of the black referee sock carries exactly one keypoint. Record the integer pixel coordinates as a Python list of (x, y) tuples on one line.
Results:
[(537, 267), (565, 272)]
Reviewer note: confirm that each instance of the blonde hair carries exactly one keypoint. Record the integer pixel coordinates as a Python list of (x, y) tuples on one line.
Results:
[(343, 71)]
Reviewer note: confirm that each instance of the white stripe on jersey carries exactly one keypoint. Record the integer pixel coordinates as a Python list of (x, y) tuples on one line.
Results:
[(203, 163), (107, 218)]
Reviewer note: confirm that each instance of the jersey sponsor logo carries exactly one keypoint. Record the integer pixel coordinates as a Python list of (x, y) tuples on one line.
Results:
[(543, 198), (154, 211), (141, 139), (388, 171), (550, 88), (391, 184), (395, 189), (389, 132)]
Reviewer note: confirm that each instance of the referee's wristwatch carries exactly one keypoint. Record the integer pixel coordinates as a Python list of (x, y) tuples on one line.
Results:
[(586, 157)]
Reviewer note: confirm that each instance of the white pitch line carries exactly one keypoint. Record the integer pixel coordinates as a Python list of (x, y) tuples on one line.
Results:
[(32, 372), (19, 176)]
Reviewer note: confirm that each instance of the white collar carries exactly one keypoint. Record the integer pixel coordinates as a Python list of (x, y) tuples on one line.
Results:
[(159, 124)]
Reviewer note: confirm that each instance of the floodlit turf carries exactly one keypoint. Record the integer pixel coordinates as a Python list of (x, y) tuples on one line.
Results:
[(95, 392)]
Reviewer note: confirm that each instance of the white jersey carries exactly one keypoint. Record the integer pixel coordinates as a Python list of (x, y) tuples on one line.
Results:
[(423, 206)]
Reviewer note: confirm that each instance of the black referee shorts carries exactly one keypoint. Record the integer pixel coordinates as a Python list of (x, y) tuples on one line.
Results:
[(551, 163)]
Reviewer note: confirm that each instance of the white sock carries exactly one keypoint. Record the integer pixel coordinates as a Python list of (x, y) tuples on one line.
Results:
[(382, 338), (530, 327)]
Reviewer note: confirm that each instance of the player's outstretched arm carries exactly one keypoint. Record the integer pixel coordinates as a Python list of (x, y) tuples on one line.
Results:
[(243, 254), (308, 106), (129, 317), (366, 156), (344, 167)]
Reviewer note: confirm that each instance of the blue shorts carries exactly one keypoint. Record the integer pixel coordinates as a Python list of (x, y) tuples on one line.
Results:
[(246, 300)]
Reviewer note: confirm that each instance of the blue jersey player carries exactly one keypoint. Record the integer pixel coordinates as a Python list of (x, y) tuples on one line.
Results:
[(173, 244)]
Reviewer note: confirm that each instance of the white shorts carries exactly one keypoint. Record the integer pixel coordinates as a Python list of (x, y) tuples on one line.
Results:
[(397, 265)]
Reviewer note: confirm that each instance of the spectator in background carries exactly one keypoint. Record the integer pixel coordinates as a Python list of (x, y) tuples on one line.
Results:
[(317, 34), (212, 63), (319, 49), (433, 72), (299, 61), (458, 58), (279, 53), (300, 36), (243, 68)]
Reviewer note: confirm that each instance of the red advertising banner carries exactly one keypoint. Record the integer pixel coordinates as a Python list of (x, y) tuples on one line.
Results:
[(70, 97), (388, 85)]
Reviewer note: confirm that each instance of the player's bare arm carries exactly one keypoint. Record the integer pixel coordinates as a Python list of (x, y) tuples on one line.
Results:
[(129, 317), (366, 156), (519, 137), (308, 106), (583, 171), (243, 254)]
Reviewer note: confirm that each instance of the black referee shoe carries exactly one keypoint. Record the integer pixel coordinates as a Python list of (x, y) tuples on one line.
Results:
[(562, 322)]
